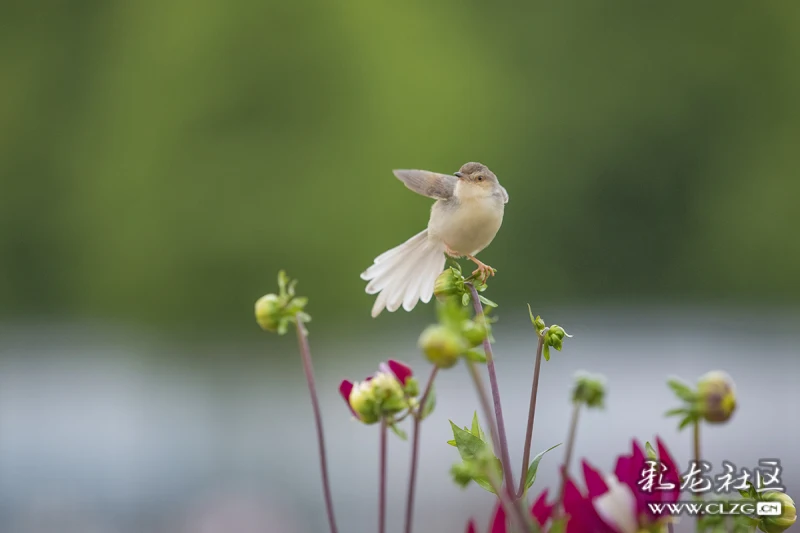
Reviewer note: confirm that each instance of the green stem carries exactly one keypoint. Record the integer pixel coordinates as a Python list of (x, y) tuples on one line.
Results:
[(531, 413)]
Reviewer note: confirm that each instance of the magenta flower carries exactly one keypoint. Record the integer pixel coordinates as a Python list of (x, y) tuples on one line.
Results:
[(386, 393), (637, 482), (540, 511), (618, 503)]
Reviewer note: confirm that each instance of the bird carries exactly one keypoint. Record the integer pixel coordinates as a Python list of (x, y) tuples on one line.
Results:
[(464, 220)]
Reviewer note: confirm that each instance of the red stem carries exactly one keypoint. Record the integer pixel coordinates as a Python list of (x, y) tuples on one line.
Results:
[(498, 409), (412, 479), (305, 355)]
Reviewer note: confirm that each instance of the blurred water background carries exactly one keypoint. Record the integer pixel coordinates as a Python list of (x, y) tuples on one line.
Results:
[(159, 162)]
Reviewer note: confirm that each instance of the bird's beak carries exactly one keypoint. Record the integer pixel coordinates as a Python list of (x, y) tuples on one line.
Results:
[(458, 174)]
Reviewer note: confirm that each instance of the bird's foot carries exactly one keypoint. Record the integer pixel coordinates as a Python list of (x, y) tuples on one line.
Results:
[(483, 271)]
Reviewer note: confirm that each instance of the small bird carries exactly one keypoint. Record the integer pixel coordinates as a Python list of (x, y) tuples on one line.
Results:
[(466, 216)]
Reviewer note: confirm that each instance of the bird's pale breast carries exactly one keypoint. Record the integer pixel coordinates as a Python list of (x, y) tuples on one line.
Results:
[(468, 226)]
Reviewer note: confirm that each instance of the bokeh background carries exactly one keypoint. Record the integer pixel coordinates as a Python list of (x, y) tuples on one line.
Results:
[(160, 161)]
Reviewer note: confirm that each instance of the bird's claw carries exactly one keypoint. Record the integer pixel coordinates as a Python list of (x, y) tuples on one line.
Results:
[(483, 271)]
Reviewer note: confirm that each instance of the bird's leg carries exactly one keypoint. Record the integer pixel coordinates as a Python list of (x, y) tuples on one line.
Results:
[(452, 253), (483, 269)]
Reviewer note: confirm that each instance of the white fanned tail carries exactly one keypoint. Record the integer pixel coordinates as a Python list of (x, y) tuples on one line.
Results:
[(405, 274)]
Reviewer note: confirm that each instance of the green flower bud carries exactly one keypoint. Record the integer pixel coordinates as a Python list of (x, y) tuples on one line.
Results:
[(362, 400), (274, 312), (268, 312), (462, 474), (474, 332), (388, 393), (777, 524), (589, 390), (412, 387), (537, 321), (441, 345), (446, 285), (716, 397)]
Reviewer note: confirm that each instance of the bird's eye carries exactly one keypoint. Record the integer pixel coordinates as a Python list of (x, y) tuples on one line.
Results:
[(480, 178)]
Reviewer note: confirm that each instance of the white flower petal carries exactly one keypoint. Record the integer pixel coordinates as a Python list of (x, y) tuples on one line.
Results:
[(617, 507)]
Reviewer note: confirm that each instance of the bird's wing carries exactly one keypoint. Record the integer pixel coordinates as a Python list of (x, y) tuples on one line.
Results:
[(430, 184), (505, 194)]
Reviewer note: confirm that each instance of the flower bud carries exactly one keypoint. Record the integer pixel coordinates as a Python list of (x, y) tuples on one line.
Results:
[(589, 390), (716, 397), (388, 393), (787, 518), (446, 285), (411, 387), (268, 312), (441, 346), (474, 332), (363, 403)]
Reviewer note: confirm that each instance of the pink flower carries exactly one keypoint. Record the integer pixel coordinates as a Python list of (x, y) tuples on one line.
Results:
[(625, 504), (384, 393), (616, 503), (541, 512)]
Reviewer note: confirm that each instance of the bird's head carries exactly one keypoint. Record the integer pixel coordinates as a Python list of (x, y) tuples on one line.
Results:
[(476, 176)]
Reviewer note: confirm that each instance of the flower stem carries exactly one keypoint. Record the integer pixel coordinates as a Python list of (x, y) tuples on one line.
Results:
[(526, 454), (697, 457), (507, 494), (412, 479), (514, 509), (573, 426), (382, 480), (305, 355), (502, 439)]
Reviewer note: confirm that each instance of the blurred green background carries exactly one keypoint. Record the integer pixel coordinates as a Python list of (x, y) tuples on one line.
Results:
[(161, 161)]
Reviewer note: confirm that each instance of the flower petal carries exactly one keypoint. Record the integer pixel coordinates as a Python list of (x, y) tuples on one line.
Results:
[(671, 475), (594, 481), (499, 521), (617, 507), (582, 515), (345, 388), (471, 527), (401, 371), (541, 510)]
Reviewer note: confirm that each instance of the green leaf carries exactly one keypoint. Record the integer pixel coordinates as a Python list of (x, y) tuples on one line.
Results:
[(685, 422), (465, 299), (484, 484), (430, 403), (399, 432), (469, 446), (452, 443), (559, 525), (474, 356), (487, 301), (283, 281), (476, 425), (650, 451), (283, 326), (676, 411), (681, 390), (546, 352), (531, 476)]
